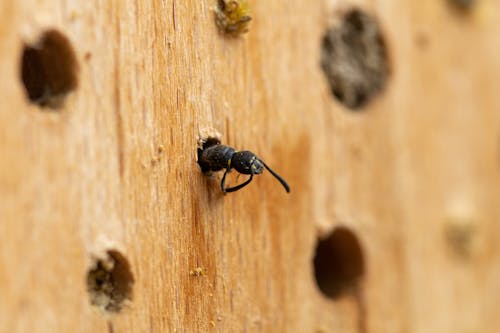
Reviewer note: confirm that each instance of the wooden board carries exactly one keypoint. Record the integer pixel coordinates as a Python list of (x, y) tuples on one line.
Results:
[(415, 175)]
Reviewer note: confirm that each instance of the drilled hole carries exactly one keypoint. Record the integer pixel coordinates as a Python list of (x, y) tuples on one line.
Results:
[(338, 263), (461, 236), (463, 4), (210, 141), (49, 70), (354, 59), (110, 282)]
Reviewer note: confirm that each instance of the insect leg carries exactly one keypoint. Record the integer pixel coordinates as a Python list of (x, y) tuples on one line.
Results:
[(278, 177), (237, 187), (223, 181)]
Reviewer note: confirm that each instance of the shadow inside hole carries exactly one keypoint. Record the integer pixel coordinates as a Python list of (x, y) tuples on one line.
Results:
[(338, 263), (110, 282), (49, 70)]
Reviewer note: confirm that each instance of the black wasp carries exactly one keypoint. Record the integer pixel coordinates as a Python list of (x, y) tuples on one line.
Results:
[(214, 157)]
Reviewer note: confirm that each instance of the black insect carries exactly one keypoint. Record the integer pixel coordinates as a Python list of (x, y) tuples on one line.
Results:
[(214, 157)]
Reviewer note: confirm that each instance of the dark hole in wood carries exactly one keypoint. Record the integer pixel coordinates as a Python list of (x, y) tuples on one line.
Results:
[(463, 4), (49, 70), (338, 263)]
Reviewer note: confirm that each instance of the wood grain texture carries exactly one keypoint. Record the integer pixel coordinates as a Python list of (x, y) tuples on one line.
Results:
[(419, 164)]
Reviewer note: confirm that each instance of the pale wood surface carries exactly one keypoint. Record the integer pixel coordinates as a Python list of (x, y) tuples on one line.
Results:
[(421, 159)]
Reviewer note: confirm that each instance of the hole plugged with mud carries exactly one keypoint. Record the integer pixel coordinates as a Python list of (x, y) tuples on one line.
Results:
[(110, 282), (49, 70), (354, 59), (338, 263)]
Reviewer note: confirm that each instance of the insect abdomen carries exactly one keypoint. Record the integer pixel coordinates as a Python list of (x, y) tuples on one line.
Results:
[(215, 158)]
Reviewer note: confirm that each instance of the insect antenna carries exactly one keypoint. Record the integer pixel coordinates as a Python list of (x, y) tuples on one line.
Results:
[(278, 177)]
